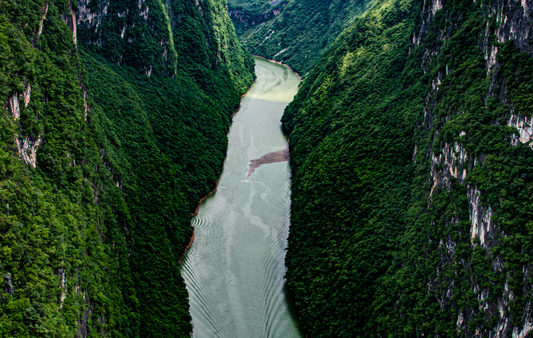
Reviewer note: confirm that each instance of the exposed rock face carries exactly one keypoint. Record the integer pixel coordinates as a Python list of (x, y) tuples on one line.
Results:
[(27, 146), (27, 95), (63, 286), (9, 285), (513, 21), (525, 129), (41, 22), (14, 106), (454, 163), (91, 16), (480, 218), (85, 105), (431, 7), (72, 23), (27, 149)]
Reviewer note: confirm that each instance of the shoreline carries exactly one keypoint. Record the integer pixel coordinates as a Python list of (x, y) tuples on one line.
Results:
[(193, 236), (209, 194), (193, 214), (191, 241), (277, 62)]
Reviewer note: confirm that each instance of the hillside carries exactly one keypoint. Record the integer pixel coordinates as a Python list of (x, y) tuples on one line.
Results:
[(115, 126), (411, 149), (294, 32), (412, 163)]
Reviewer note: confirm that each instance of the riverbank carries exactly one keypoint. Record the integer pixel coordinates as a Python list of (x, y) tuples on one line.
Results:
[(279, 63), (235, 266), (209, 194)]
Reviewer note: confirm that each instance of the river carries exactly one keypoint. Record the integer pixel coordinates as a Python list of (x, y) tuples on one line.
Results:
[(234, 271)]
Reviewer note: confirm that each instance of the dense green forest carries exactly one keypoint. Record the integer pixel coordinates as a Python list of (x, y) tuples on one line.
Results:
[(295, 32), (412, 161), (411, 154), (115, 126)]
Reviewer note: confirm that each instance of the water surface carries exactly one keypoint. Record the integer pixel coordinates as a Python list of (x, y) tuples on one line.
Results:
[(235, 269)]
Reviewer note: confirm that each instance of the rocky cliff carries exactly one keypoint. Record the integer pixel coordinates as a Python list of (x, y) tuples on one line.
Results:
[(418, 125)]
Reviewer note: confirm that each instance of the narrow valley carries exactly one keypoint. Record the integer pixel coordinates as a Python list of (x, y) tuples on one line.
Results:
[(387, 192)]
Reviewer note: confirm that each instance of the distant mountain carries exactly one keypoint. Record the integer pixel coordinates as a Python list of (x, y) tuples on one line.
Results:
[(291, 31)]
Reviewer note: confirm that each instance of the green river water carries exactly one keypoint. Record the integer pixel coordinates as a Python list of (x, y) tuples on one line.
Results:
[(235, 269)]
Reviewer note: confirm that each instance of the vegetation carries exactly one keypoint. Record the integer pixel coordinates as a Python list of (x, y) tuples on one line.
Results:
[(91, 237), (128, 120), (294, 32), (373, 249)]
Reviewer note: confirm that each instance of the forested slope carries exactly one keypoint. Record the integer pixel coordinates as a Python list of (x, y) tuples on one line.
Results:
[(114, 126), (294, 32), (412, 163)]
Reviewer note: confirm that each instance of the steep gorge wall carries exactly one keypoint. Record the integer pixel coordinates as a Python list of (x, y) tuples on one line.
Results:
[(496, 216), (419, 127), (115, 125), (293, 32)]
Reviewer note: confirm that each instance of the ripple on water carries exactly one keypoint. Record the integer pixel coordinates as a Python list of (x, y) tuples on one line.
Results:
[(200, 298), (235, 269), (205, 235)]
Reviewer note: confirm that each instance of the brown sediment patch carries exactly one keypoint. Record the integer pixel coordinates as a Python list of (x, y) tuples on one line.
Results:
[(272, 157)]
